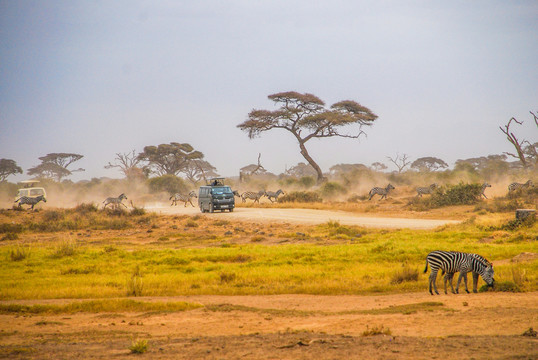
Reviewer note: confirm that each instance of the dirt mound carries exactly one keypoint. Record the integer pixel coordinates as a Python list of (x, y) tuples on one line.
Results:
[(524, 257)]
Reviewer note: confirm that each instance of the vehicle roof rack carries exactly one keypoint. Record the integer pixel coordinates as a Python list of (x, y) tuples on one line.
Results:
[(215, 181)]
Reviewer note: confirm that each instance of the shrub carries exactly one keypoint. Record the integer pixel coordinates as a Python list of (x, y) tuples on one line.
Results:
[(66, 248), (381, 330), (134, 283), (19, 253), (461, 194), (11, 228), (301, 196), (306, 181), (330, 189), (85, 209), (167, 183), (226, 277), (405, 274), (501, 286), (10, 236), (139, 346)]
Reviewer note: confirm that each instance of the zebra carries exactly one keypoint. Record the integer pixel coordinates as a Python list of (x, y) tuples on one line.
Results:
[(115, 201), (272, 194), (516, 186), (426, 190), (450, 276), (185, 198), (30, 200), (484, 186), (252, 195), (452, 262), (380, 191), (236, 193)]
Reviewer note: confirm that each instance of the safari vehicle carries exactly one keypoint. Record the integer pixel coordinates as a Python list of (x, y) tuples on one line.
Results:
[(30, 190), (216, 196)]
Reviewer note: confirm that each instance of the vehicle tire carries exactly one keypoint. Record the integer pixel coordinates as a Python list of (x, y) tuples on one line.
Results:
[(231, 209), (211, 210), (202, 209)]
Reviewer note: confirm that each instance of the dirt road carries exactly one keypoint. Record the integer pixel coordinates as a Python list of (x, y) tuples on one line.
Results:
[(417, 326), (306, 216)]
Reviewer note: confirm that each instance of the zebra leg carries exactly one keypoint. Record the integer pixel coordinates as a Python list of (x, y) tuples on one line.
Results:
[(433, 278), (452, 283), (475, 281)]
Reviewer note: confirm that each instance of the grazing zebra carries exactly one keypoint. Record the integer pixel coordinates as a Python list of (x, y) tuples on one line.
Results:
[(252, 196), (116, 202), (30, 200), (185, 198), (452, 262), (426, 190), (272, 194), (236, 193), (516, 186), (484, 186), (380, 191), (450, 276)]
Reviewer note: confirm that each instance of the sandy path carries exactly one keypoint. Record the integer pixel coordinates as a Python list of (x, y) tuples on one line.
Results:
[(307, 216)]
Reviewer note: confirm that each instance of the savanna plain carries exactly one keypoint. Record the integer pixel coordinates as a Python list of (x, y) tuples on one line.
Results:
[(83, 282)]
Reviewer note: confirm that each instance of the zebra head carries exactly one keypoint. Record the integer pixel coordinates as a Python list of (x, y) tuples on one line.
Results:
[(434, 186), (529, 183), (122, 196), (279, 192), (390, 187), (193, 194), (486, 185), (487, 275), (42, 197), (236, 193)]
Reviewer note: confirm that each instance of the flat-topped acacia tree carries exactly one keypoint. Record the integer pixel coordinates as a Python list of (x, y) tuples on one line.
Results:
[(306, 117)]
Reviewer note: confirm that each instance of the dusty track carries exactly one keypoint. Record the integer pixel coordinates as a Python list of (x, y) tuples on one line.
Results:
[(307, 216), (289, 327)]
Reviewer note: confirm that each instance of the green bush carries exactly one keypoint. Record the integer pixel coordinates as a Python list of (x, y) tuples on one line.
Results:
[(330, 189), (301, 196), (449, 195), (167, 183), (11, 228), (501, 286)]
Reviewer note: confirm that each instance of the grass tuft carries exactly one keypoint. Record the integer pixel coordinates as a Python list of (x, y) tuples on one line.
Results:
[(139, 346), (376, 330)]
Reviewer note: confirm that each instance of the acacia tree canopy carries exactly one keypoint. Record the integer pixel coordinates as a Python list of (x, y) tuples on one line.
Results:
[(429, 163), (307, 117), (169, 158), (54, 165), (8, 167)]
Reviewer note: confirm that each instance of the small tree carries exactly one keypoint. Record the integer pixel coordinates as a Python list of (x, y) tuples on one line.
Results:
[(306, 117), (197, 170), (128, 164), (169, 158), (400, 162), (340, 169), (54, 166), (8, 167), (524, 148), (428, 164), (246, 171), (378, 166), (301, 170)]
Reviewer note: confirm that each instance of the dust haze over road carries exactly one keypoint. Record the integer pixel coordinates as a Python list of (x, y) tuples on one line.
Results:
[(307, 216)]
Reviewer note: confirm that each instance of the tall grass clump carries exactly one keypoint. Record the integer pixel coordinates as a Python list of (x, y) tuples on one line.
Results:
[(64, 249), (19, 253), (405, 274), (135, 285), (301, 196), (139, 346)]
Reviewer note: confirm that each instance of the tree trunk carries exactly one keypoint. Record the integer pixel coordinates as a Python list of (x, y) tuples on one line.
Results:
[(311, 161)]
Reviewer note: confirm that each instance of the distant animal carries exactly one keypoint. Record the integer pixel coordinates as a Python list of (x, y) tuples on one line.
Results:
[(426, 190), (484, 186), (252, 196), (272, 194), (517, 186), (450, 276), (451, 262), (115, 201), (380, 191), (236, 193), (185, 198), (25, 200)]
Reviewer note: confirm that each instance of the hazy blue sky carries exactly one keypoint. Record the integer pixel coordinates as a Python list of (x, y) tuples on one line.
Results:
[(101, 77)]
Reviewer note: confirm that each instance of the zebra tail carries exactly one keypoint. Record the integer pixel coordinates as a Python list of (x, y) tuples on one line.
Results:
[(426, 268)]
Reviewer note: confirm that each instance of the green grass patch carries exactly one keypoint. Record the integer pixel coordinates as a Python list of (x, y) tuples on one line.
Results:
[(98, 306)]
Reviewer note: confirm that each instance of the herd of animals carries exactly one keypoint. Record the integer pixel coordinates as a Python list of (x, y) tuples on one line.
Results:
[(449, 262), (272, 195)]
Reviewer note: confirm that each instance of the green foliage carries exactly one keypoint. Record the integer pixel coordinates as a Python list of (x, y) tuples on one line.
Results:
[(11, 228), (10, 236), (135, 285), (501, 286), (449, 195), (167, 183), (376, 330), (301, 196), (139, 346), (407, 273), (64, 249), (331, 189), (19, 253), (306, 181)]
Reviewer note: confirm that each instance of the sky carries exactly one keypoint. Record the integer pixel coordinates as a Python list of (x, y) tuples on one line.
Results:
[(101, 77)]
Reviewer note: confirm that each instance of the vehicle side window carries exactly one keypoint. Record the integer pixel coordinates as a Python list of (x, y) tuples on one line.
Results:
[(36, 192)]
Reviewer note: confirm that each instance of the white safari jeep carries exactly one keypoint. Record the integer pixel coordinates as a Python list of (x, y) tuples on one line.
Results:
[(30, 190)]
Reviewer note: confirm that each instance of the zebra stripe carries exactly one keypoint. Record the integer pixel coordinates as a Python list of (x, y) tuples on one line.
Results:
[(273, 194), (517, 186), (426, 190), (256, 196), (380, 191), (450, 276), (116, 202), (185, 198), (451, 262), (25, 200)]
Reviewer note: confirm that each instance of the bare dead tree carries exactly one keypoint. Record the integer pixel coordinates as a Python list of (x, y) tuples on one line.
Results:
[(126, 162), (400, 162), (518, 145), (251, 169)]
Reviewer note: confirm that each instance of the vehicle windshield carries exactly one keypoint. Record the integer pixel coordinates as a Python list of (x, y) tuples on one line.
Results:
[(219, 190), (36, 192)]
